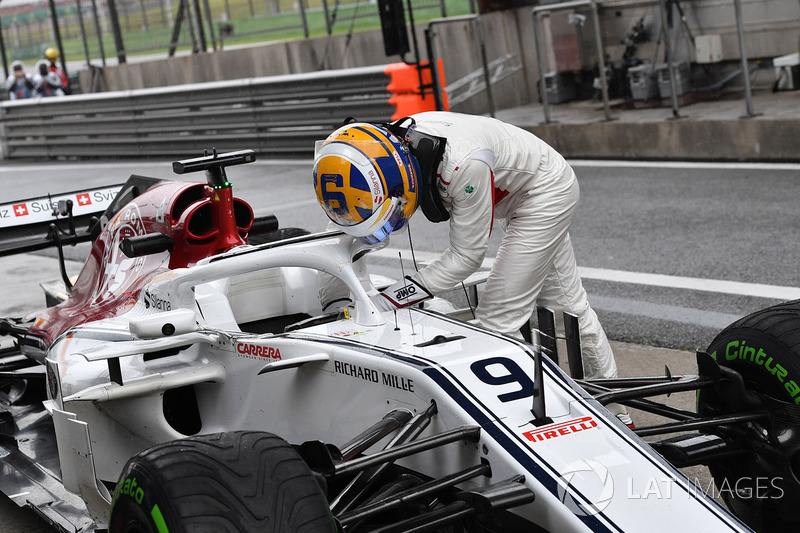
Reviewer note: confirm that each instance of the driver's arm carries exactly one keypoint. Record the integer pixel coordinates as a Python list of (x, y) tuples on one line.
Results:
[(471, 213)]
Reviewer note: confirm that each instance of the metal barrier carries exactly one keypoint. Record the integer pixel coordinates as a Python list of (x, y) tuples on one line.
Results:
[(280, 115)]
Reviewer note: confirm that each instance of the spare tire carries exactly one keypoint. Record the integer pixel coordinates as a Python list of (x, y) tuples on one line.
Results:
[(761, 486), (226, 482)]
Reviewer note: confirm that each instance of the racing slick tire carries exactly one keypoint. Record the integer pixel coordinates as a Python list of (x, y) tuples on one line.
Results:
[(761, 486), (234, 482)]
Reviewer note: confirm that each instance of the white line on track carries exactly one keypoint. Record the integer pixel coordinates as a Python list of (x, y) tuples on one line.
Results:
[(683, 164), (758, 290), (166, 164)]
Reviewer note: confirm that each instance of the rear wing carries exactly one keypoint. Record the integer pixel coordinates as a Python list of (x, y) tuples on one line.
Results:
[(64, 219)]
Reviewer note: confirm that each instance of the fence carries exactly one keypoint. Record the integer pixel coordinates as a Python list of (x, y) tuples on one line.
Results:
[(280, 115), (95, 30)]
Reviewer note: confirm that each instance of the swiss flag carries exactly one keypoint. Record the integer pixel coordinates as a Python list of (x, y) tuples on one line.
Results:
[(84, 199), (20, 210)]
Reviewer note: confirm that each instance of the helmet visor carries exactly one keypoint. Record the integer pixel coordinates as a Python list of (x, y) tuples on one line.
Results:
[(382, 222)]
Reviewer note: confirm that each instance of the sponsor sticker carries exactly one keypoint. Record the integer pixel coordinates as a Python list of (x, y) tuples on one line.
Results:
[(560, 429), (387, 379), (257, 351), (154, 302)]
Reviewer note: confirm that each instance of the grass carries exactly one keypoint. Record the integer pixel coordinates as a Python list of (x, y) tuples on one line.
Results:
[(261, 26)]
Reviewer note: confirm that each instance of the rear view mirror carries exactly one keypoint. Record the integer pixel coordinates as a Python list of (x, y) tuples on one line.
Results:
[(165, 324)]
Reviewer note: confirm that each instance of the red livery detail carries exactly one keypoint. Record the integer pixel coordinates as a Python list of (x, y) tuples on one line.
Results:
[(201, 221), (562, 428), (254, 350)]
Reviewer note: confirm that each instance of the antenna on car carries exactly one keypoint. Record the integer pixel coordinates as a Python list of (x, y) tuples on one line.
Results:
[(403, 273), (411, 246)]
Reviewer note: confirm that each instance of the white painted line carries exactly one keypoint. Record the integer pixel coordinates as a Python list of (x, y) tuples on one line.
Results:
[(758, 290), (682, 164), (673, 313), (166, 164)]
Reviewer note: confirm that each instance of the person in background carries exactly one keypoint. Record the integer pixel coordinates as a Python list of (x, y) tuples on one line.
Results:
[(46, 83), (19, 84), (52, 56)]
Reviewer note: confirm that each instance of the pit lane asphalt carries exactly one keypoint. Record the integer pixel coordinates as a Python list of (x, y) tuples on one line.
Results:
[(711, 222)]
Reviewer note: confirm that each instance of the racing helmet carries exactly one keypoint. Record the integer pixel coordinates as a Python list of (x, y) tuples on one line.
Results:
[(51, 53), (366, 180)]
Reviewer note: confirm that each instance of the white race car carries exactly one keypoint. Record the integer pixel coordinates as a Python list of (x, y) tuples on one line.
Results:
[(189, 381)]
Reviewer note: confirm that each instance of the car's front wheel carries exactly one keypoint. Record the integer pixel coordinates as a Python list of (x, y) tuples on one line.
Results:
[(762, 485), (226, 482)]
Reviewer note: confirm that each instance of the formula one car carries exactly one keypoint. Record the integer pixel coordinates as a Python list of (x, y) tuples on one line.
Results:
[(189, 381)]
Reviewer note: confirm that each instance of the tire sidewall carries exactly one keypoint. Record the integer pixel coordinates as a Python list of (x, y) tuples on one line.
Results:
[(768, 367), (139, 500), (765, 364)]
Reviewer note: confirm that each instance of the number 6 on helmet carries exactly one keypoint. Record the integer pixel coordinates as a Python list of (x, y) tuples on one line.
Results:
[(366, 180)]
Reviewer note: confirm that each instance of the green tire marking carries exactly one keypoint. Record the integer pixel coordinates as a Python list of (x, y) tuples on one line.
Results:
[(159, 520)]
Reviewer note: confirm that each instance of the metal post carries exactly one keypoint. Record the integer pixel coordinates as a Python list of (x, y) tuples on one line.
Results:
[(540, 60), (601, 60), (176, 29), (83, 33), (328, 26), (303, 18), (748, 95), (486, 75), (437, 97), (210, 20), (57, 34), (201, 32), (3, 51), (673, 87), (115, 29), (97, 30)]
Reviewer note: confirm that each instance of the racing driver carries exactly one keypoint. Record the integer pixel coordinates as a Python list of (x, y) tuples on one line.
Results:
[(469, 170)]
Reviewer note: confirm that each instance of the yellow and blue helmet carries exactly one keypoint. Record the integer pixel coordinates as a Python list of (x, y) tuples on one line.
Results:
[(366, 180)]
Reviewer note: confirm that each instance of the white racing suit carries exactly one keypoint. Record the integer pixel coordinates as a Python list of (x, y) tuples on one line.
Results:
[(492, 170)]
